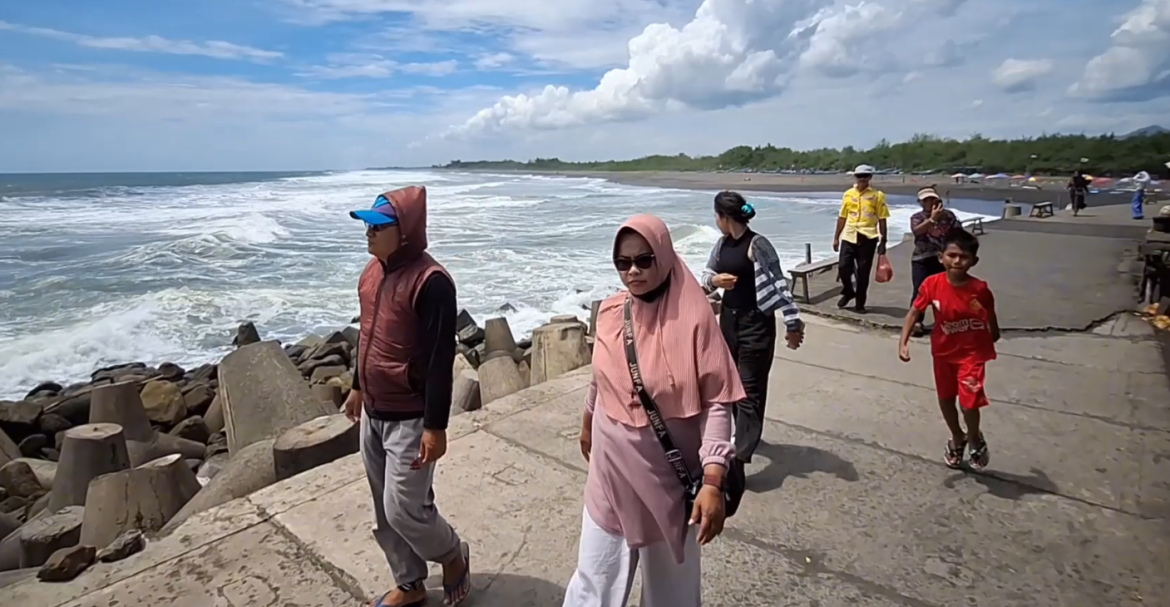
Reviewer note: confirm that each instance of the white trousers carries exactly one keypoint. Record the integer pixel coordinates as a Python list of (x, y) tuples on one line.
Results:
[(606, 566)]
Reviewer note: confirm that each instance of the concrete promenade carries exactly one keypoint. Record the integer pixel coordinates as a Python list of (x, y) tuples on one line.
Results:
[(849, 503), (1058, 273)]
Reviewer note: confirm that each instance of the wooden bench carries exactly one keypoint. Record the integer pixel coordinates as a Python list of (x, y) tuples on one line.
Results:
[(975, 226), (803, 271), (1041, 209)]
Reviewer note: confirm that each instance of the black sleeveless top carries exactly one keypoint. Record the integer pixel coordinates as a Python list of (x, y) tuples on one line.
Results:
[(734, 260)]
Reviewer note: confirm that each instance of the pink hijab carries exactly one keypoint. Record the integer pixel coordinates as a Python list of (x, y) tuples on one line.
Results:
[(684, 361)]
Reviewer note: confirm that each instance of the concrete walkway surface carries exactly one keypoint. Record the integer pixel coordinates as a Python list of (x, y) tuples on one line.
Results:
[(1042, 279), (848, 504)]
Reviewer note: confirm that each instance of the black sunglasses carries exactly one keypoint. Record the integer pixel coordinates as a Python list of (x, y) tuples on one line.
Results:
[(644, 262), (375, 228), (863, 176)]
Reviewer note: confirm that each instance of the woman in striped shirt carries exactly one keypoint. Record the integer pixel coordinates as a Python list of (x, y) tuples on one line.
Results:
[(745, 265)]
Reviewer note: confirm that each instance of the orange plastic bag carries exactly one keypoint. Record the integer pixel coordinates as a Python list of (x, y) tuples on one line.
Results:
[(885, 272)]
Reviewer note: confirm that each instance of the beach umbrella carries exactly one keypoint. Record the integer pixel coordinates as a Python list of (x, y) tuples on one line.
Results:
[(999, 176), (1019, 176), (964, 176), (975, 176), (1100, 181)]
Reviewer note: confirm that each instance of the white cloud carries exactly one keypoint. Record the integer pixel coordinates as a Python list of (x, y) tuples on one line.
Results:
[(841, 40), (358, 65), (493, 61), (433, 68), (911, 77), (1018, 75), (585, 49), (732, 52), (153, 96), (118, 118), (1137, 65), (566, 33), (978, 103), (562, 15), (151, 44)]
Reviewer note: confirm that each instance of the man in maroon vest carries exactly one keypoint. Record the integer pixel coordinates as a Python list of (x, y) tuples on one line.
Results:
[(402, 395)]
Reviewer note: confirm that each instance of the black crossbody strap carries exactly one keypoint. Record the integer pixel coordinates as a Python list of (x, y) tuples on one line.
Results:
[(673, 455)]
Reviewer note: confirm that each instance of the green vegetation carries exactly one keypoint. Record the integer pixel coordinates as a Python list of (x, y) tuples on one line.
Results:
[(1049, 154)]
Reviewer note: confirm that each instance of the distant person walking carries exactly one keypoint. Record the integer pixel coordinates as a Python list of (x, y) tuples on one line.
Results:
[(860, 236), (402, 395), (1078, 187), (1141, 182), (745, 265), (930, 227), (662, 381)]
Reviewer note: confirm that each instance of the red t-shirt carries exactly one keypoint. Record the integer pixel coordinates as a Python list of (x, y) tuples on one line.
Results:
[(962, 327)]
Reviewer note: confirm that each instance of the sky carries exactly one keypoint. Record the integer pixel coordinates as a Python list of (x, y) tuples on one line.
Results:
[(219, 85)]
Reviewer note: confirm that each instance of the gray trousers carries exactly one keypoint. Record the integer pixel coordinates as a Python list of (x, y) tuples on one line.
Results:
[(408, 528)]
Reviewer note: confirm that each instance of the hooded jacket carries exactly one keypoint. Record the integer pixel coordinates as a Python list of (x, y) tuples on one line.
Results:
[(406, 347)]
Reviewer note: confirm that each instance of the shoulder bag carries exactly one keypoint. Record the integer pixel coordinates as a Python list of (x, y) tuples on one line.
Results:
[(733, 480)]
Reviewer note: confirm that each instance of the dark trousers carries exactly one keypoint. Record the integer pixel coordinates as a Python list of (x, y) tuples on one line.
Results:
[(920, 270), (751, 336), (856, 262)]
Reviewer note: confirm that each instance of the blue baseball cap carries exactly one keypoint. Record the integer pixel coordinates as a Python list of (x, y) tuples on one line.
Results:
[(381, 214)]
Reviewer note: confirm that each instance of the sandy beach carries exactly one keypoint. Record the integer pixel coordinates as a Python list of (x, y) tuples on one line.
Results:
[(906, 185)]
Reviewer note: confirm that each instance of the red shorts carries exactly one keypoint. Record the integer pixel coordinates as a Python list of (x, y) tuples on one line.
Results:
[(963, 380)]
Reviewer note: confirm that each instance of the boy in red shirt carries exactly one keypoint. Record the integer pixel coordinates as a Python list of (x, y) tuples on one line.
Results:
[(963, 340)]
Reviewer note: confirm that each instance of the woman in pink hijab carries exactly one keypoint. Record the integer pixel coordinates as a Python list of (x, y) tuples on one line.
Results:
[(636, 506)]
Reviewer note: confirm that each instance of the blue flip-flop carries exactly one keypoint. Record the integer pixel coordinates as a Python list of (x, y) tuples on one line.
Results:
[(464, 583), (405, 588)]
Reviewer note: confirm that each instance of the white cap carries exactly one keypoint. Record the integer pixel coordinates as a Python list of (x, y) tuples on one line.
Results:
[(864, 169), (928, 193)]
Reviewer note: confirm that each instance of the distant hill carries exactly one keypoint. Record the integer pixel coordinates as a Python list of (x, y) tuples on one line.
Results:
[(1146, 132)]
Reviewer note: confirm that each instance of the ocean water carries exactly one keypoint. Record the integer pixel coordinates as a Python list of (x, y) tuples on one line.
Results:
[(104, 269)]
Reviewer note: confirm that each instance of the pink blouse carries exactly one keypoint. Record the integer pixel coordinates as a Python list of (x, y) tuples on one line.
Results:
[(632, 491)]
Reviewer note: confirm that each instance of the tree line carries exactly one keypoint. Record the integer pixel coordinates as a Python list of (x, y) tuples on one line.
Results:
[(1104, 155)]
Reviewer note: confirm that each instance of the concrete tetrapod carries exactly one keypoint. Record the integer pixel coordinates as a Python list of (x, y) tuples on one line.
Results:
[(465, 394), (313, 443), (41, 538), (498, 335), (498, 378), (263, 395), (143, 498), (87, 452), (558, 348), (10, 551), (249, 470), (121, 404)]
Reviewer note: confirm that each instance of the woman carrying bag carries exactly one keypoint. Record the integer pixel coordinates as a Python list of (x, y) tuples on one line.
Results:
[(656, 431)]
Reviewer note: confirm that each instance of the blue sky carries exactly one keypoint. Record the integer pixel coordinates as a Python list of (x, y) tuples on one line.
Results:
[(314, 84)]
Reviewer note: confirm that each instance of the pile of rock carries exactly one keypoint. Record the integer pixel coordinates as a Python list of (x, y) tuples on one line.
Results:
[(86, 469), (491, 364)]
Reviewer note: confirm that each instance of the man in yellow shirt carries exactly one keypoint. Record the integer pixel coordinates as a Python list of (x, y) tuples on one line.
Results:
[(861, 233)]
